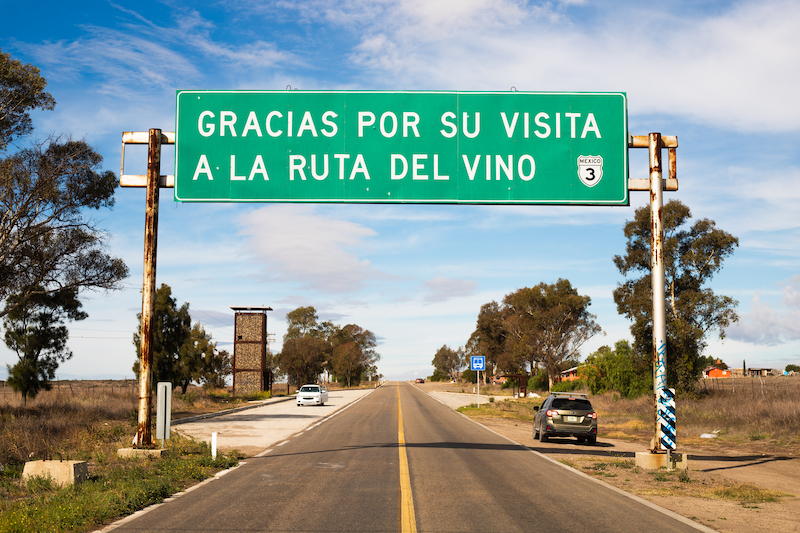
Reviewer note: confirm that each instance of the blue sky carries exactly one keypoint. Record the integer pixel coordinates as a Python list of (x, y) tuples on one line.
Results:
[(720, 75)]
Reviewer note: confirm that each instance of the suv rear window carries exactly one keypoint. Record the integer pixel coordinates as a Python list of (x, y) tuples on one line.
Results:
[(572, 404)]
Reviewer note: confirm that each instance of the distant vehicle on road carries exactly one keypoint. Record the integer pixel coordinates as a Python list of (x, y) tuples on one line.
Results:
[(566, 415), (419, 380), (312, 395)]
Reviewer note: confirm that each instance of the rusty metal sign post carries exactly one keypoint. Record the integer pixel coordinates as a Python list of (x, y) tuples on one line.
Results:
[(153, 181), (654, 143)]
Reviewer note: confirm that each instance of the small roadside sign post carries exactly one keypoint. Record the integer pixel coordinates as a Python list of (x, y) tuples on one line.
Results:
[(478, 363), (163, 411)]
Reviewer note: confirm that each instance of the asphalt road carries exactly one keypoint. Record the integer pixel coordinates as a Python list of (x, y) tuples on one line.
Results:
[(398, 460)]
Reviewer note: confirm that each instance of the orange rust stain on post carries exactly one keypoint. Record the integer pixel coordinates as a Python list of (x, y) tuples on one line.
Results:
[(143, 432)]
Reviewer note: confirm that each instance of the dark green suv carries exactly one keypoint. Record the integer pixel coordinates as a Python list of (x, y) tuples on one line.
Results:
[(566, 415)]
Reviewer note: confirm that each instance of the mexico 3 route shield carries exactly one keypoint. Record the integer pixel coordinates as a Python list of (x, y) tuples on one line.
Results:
[(590, 169)]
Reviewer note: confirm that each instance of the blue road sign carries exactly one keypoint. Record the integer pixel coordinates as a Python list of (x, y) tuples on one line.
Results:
[(477, 362)]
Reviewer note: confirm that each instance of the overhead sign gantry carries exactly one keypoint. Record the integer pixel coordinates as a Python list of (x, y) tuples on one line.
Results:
[(406, 147)]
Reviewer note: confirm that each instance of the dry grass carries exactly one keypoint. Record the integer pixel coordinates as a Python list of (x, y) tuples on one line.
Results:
[(749, 410), (625, 474), (63, 423), (68, 421), (744, 493)]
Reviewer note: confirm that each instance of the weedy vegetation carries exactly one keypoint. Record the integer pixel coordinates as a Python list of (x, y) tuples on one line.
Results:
[(745, 493), (90, 422)]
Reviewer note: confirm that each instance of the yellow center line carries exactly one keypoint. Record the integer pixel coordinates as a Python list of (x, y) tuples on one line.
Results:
[(408, 522)]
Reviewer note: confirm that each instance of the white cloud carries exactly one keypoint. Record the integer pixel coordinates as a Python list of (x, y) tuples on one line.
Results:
[(770, 325), (770, 194), (143, 54), (791, 293), (446, 18), (736, 68), (441, 289), (296, 244), (125, 62)]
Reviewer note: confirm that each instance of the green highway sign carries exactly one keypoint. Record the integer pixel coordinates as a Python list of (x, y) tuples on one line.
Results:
[(401, 147)]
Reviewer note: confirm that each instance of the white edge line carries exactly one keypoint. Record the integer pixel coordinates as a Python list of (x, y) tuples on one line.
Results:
[(141, 512), (671, 514), (662, 510)]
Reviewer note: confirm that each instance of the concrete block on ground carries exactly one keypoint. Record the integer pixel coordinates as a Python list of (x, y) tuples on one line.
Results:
[(141, 452), (654, 461), (62, 473)]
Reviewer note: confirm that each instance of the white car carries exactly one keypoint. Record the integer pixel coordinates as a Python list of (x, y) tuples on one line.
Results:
[(312, 395)]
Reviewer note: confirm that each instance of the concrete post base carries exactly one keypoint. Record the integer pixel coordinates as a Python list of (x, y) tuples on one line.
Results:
[(654, 461), (141, 452), (61, 472)]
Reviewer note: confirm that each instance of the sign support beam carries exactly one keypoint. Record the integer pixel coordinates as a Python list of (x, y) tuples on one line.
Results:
[(657, 280), (143, 431), (152, 181), (656, 185)]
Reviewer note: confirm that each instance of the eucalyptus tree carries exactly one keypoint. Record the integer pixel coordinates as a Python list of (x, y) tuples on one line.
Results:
[(543, 326), (50, 247), (182, 352), (449, 361), (48, 239), (547, 325), (37, 333), (353, 353), (693, 253)]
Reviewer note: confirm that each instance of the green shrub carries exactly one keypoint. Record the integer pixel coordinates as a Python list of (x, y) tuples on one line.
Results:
[(470, 376), (255, 396), (567, 386), (439, 375), (619, 369), (539, 380)]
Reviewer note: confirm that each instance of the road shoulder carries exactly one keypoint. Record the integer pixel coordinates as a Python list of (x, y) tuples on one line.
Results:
[(611, 461)]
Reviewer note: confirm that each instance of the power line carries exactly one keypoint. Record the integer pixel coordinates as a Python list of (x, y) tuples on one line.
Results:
[(216, 321), (107, 330), (107, 338)]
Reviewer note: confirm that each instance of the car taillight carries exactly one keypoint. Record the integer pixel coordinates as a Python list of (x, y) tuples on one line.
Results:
[(551, 413), (592, 415)]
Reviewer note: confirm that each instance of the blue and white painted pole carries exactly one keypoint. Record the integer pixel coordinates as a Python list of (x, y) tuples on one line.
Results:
[(657, 281)]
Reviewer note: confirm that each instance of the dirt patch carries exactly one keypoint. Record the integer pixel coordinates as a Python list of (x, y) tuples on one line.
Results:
[(736, 491)]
